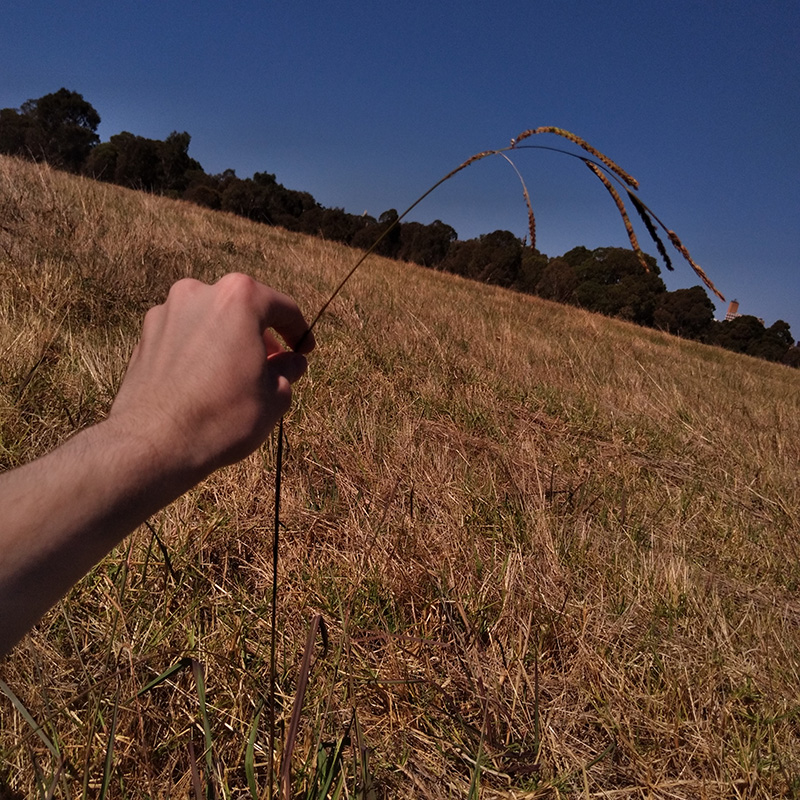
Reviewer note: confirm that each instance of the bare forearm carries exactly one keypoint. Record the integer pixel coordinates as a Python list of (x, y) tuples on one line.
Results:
[(204, 387), (66, 511)]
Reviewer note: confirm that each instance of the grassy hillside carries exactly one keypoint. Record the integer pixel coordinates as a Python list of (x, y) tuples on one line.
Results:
[(555, 554)]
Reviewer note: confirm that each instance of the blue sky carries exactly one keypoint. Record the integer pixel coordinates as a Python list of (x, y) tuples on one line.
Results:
[(366, 105)]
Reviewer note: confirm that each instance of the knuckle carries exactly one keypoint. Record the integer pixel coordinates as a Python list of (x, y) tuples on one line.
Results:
[(237, 283), (185, 287)]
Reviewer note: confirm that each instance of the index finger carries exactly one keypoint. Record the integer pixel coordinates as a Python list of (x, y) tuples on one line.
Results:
[(274, 310), (283, 315)]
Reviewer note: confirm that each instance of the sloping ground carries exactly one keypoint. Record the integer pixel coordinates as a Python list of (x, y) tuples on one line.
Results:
[(548, 543)]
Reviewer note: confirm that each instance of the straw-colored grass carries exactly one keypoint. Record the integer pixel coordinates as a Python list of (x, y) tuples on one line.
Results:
[(555, 554)]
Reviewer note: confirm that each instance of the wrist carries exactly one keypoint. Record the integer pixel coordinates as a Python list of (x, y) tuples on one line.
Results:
[(156, 470)]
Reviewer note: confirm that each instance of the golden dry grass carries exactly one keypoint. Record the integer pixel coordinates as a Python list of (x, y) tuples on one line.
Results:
[(553, 543)]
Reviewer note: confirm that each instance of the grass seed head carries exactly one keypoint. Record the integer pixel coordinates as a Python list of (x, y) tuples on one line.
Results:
[(582, 143), (623, 212), (682, 249)]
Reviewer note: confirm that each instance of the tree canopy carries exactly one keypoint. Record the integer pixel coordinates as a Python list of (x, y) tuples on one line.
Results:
[(148, 164), (60, 128)]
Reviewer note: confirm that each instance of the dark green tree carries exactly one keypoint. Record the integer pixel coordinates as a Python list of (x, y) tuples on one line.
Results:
[(612, 281), (773, 343), (577, 256), (425, 244), (685, 312), (491, 258), (137, 162), (781, 333), (241, 196), (140, 163), (334, 224), (278, 205), (458, 257), (14, 128), (498, 258), (367, 235), (101, 163), (177, 165), (558, 281), (531, 268), (60, 128), (742, 335), (792, 357)]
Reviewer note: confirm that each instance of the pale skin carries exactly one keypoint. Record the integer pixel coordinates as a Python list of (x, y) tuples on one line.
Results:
[(205, 385)]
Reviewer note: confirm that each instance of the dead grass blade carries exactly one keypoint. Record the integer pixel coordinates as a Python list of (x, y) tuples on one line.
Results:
[(681, 248), (607, 164), (317, 626), (197, 786), (531, 218), (273, 637), (678, 245)]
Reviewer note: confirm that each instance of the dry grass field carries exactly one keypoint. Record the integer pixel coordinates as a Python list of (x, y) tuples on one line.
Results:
[(556, 555)]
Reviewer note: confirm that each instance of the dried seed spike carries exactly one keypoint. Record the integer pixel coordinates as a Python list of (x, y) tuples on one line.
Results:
[(582, 143), (524, 135), (531, 218), (681, 248), (622, 210), (465, 164), (644, 213)]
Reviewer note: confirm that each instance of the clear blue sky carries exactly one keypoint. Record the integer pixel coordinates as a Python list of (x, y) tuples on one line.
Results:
[(365, 105)]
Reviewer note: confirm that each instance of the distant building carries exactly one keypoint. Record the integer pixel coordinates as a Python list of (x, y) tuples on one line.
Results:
[(733, 311)]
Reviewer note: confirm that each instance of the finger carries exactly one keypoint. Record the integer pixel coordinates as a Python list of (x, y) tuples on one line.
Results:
[(273, 309), (280, 312), (289, 365), (272, 344)]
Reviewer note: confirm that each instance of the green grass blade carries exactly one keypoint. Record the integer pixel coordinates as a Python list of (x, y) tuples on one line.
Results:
[(168, 673), (197, 670), (109, 761), (249, 757), (366, 787), (25, 714), (329, 771), (475, 780)]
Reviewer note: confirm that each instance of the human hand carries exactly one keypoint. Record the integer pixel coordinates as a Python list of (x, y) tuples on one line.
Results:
[(209, 379)]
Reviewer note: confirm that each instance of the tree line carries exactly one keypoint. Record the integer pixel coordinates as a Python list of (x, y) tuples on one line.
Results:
[(61, 129)]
